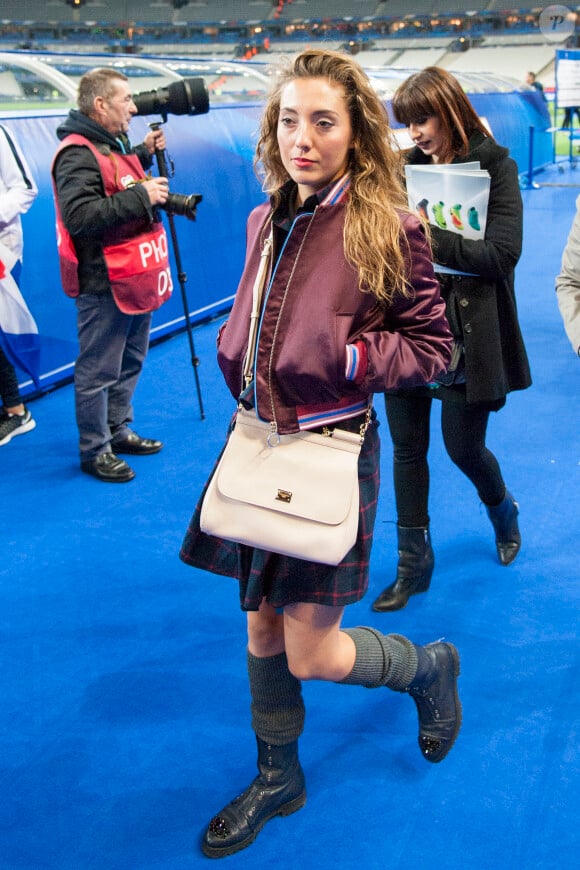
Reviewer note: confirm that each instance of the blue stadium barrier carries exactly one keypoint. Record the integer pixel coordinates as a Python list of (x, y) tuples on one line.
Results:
[(212, 155)]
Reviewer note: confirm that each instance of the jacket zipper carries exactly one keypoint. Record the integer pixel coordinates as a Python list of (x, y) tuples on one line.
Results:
[(274, 437)]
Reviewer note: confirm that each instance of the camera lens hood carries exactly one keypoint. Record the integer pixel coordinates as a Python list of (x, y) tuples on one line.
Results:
[(189, 96)]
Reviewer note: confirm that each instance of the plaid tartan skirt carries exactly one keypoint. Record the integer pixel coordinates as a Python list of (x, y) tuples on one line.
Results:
[(285, 580)]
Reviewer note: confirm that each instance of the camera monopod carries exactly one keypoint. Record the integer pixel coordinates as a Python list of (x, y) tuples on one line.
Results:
[(192, 201), (189, 96)]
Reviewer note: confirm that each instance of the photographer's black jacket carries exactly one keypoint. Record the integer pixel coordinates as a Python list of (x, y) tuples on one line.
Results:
[(85, 209)]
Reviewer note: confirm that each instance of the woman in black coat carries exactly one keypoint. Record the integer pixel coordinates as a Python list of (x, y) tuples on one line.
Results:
[(489, 358)]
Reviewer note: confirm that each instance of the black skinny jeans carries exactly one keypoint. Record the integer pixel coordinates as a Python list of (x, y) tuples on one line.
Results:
[(9, 391), (464, 429)]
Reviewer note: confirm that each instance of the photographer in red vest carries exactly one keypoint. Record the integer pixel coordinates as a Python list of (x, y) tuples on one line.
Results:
[(113, 261)]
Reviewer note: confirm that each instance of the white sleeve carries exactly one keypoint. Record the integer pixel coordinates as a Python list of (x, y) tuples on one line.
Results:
[(17, 186), (568, 283)]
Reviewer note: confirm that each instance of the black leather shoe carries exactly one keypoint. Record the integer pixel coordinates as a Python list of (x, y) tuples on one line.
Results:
[(504, 518), (133, 443), (279, 790), (434, 691), (108, 468), (414, 569)]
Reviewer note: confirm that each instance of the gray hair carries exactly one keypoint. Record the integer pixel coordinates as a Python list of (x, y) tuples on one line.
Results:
[(97, 83)]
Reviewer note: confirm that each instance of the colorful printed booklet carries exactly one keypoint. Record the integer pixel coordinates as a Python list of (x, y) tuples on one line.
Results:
[(451, 196)]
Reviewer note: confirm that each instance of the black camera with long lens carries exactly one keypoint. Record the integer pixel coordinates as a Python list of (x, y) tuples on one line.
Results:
[(182, 204), (186, 97)]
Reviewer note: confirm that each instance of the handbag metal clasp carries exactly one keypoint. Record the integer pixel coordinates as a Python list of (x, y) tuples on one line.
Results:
[(284, 495), (273, 438)]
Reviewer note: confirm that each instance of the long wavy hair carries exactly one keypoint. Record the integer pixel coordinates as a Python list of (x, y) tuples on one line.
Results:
[(435, 92), (373, 241)]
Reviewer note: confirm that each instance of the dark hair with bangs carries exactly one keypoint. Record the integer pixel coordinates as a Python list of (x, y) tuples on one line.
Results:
[(435, 92)]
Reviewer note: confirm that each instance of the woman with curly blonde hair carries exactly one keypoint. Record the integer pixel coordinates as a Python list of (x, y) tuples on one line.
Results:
[(351, 307), (372, 233)]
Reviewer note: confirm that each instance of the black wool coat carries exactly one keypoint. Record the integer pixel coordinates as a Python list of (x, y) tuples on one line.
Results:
[(481, 308)]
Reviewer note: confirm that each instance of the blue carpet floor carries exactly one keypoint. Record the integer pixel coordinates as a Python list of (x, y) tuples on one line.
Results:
[(124, 721)]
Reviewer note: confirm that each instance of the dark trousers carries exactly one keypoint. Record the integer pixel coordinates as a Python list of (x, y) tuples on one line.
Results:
[(112, 349), (464, 429), (569, 113), (8, 383)]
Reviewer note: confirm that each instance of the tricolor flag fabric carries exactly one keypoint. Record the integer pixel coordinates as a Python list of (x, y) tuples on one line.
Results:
[(19, 337)]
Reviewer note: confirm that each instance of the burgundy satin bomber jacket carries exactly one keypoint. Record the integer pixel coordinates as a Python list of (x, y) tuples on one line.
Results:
[(313, 308)]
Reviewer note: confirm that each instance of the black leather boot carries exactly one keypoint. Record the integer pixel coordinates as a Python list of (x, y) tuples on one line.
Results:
[(414, 570), (278, 790), (504, 518), (434, 691)]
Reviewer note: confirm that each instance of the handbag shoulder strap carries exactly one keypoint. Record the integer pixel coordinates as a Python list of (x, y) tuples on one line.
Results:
[(257, 291)]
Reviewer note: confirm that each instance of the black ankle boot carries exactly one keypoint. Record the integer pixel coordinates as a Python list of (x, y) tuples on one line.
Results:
[(278, 790), (414, 569), (504, 518), (434, 691)]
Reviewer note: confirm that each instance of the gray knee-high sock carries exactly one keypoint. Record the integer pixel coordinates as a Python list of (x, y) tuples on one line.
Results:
[(277, 705), (381, 660)]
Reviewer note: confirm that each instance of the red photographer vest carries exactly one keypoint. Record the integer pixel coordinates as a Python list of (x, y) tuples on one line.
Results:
[(137, 262)]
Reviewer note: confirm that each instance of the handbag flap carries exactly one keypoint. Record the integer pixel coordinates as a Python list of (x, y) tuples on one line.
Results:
[(306, 475)]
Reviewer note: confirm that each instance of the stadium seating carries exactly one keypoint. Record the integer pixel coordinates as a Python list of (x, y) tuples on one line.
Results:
[(383, 33)]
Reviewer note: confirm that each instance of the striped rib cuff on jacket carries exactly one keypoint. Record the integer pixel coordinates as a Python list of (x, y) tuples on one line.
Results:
[(356, 361)]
